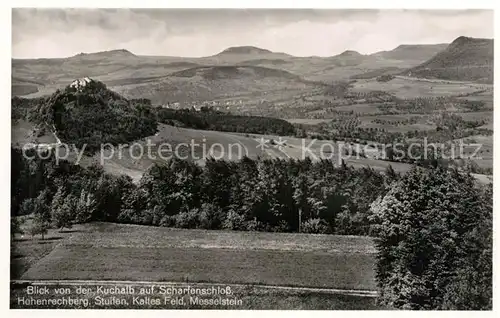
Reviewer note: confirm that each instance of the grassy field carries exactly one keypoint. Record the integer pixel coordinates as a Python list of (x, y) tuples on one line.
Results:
[(23, 89), (365, 109), (25, 252), (129, 161), (307, 121), (207, 143), (127, 252), (250, 262), (487, 115), (23, 132), (296, 148)]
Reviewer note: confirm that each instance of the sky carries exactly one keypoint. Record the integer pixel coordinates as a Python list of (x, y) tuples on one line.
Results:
[(50, 33)]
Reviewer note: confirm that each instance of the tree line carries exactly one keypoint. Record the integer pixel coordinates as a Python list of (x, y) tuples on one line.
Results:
[(266, 195), (210, 119)]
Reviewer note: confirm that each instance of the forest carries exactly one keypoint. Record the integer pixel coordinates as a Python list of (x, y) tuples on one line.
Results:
[(210, 119), (416, 219)]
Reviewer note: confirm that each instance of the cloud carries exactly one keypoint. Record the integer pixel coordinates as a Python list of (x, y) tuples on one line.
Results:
[(196, 32)]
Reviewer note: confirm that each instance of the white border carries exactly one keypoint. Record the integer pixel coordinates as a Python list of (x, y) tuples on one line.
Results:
[(294, 4), (5, 19)]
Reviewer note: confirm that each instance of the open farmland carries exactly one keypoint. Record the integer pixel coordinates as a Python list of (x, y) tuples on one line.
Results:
[(306, 121), (298, 148), (397, 123), (406, 87), (482, 148), (207, 143), (26, 252), (363, 109), (232, 146), (485, 97), (470, 116)]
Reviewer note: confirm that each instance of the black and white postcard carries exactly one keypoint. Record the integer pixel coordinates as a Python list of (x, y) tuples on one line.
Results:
[(241, 159)]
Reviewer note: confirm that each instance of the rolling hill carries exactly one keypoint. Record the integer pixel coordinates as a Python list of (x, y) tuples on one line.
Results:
[(87, 114), (250, 52), (350, 58), (465, 59), (238, 54), (207, 83), (234, 72), (22, 86)]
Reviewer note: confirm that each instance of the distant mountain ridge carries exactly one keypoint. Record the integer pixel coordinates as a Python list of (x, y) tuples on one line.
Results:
[(349, 58), (350, 53), (420, 52), (153, 76), (465, 59), (110, 53), (245, 50), (395, 53)]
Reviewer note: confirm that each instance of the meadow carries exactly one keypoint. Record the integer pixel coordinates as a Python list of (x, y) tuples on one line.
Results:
[(395, 123), (320, 267), (406, 87), (105, 251)]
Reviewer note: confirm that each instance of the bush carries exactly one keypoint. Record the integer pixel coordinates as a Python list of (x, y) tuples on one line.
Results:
[(385, 78), (15, 225), (127, 216), (39, 226), (254, 225), (63, 214), (210, 216), (315, 226), (187, 220), (282, 226), (234, 221), (146, 217), (28, 206), (167, 221), (85, 207)]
